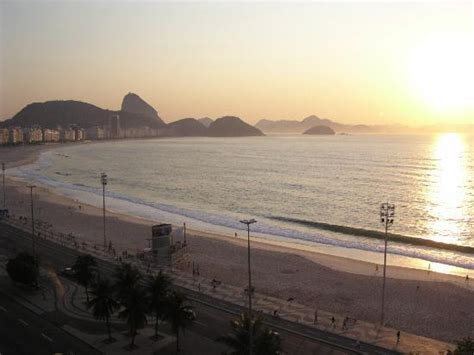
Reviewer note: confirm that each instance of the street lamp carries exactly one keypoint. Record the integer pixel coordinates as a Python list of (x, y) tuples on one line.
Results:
[(31, 187), (248, 223), (4, 191), (103, 180), (387, 215)]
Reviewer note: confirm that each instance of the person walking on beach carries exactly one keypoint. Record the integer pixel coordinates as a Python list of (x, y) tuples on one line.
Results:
[(398, 337), (333, 322), (344, 323), (199, 287), (315, 317)]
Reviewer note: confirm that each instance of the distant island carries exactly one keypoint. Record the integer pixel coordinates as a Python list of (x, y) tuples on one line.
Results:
[(298, 127), (320, 131)]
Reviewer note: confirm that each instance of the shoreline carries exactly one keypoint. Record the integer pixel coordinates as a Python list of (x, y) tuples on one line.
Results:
[(333, 283), (417, 266)]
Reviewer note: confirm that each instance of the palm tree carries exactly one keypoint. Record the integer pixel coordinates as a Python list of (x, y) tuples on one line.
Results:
[(158, 288), (84, 271), (265, 341), (135, 306), (127, 277), (103, 303), (178, 313)]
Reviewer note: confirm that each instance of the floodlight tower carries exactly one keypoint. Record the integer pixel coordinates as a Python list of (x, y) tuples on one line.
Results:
[(387, 216)]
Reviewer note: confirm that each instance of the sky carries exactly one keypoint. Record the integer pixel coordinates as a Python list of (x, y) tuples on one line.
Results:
[(353, 62)]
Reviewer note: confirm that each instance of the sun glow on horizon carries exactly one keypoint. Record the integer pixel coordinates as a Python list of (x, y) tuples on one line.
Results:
[(447, 191), (441, 72)]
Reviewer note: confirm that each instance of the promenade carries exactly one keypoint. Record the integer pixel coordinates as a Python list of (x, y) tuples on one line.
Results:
[(356, 335)]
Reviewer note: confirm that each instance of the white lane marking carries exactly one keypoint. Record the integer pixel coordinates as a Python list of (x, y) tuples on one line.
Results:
[(46, 337), (22, 322), (3, 309)]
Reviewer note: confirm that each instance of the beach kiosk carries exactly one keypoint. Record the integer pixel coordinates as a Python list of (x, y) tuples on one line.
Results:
[(161, 243)]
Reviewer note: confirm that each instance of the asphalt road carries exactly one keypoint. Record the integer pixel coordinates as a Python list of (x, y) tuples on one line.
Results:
[(24, 332), (213, 315)]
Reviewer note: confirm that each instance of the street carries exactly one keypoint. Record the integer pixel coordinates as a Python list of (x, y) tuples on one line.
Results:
[(24, 332), (213, 315)]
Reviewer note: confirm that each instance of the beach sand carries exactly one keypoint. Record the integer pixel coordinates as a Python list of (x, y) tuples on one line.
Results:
[(431, 304)]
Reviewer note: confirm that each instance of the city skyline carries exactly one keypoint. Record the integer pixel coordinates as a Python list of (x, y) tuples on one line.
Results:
[(370, 63)]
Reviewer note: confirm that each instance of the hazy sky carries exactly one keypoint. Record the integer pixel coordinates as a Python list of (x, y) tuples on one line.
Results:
[(372, 62)]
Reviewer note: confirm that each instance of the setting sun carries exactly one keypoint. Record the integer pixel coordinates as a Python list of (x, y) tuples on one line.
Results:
[(441, 72)]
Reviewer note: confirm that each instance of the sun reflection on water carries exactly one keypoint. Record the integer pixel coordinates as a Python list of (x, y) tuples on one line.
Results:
[(447, 191)]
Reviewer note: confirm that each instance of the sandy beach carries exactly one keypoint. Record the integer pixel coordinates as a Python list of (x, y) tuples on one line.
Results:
[(426, 303)]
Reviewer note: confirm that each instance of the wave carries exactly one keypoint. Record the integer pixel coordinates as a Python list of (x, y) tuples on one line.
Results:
[(368, 233)]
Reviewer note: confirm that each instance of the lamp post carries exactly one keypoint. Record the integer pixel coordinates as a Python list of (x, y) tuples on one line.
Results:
[(31, 187), (387, 215), (248, 223), (4, 191), (103, 180)]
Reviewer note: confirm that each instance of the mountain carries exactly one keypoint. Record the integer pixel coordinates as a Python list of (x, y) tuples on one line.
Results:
[(230, 126), (320, 131), (51, 114), (292, 126), (187, 127), (135, 104), (206, 121)]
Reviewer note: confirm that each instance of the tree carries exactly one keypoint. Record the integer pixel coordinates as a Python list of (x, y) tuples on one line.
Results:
[(464, 347), (24, 268), (85, 271), (135, 306), (158, 288), (264, 340), (127, 277), (178, 313), (103, 303)]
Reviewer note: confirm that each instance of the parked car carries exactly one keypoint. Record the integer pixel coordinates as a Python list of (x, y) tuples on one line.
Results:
[(67, 272), (190, 314)]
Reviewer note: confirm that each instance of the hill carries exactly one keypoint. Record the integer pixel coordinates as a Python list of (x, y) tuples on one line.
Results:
[(135, 104), (187, 127), (51, 114), (293, 126), (230, 126), (320, 131)]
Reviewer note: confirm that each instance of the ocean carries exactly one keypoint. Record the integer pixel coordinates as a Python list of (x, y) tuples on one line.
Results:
[(320, 191)]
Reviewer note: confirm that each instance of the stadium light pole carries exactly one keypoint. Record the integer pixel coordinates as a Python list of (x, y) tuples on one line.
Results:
[(4, 190), (387, 216), (103, 180), (31, 187), (248, 223)]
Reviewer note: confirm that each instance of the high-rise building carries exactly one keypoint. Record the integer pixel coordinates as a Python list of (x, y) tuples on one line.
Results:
[(4, 136), (114, 126), (16, 135)]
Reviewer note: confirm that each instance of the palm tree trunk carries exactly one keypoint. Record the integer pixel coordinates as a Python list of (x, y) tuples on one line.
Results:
[(108, 328), (132, 344)]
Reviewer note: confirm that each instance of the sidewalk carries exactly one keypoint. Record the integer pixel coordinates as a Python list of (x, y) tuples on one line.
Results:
[(292, 311), (72, 311)]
